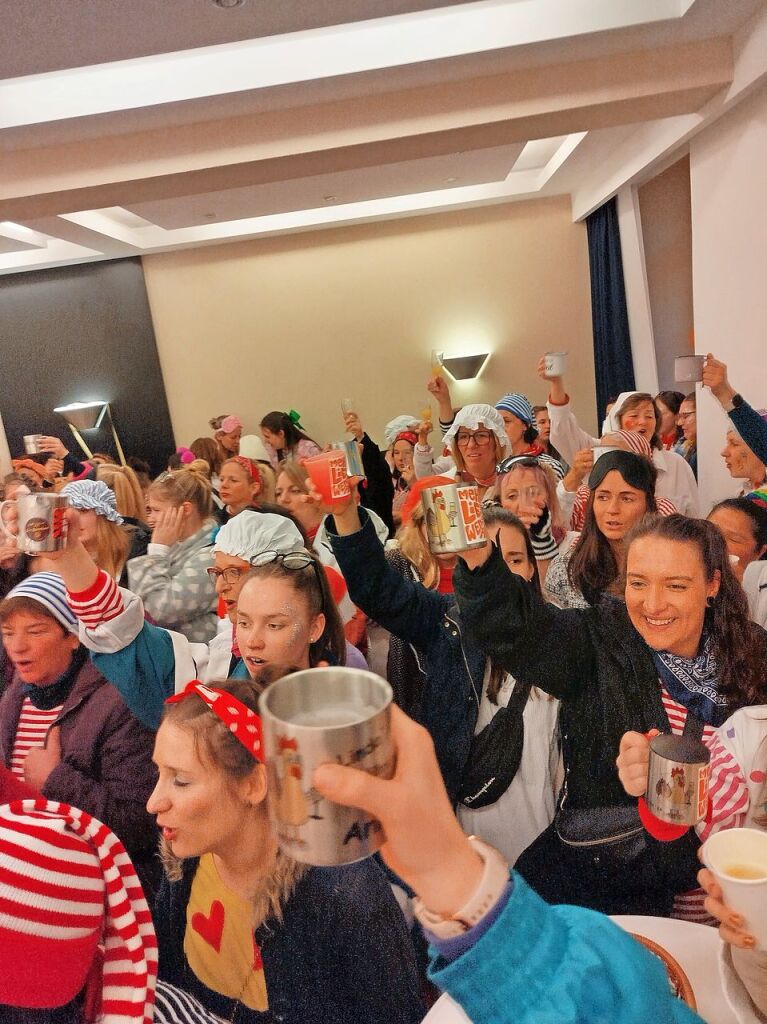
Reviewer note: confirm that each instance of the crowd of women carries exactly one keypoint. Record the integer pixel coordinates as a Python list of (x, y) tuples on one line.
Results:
[(602, 608)]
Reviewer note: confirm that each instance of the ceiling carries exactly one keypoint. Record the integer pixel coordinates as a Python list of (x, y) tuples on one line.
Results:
[(132, 126)]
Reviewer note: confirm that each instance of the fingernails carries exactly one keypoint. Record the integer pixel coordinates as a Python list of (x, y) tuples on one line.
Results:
[(749, 942), (735, 921)]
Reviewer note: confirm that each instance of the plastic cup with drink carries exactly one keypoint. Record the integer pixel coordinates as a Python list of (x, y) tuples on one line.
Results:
[(737, 857)]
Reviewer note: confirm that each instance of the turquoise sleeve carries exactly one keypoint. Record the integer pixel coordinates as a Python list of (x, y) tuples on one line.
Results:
[(143, 672), (539, 964)]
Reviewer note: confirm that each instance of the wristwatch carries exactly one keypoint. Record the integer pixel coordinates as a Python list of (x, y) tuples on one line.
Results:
[(735, 402), (494, 880)]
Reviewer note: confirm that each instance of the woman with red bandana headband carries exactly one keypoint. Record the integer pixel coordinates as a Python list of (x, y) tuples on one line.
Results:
[(243, 927)]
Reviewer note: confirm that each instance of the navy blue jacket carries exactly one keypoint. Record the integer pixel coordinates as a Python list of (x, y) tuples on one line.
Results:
[(342, 954), (454, 666), (752, 428)]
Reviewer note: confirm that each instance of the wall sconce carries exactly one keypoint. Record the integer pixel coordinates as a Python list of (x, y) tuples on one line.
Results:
[(464, 367), (88, 416)]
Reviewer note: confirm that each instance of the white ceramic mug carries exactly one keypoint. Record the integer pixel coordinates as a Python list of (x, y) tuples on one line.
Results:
[(555, 364), (41, 523)]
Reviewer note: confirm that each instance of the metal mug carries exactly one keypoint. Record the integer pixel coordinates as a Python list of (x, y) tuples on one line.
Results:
[(41, 525), (309, 718), (354, 465), (677, 779), (32, 443), (453, 515)]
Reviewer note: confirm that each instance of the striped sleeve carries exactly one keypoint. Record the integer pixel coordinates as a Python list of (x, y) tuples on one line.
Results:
[(100, 603), (727, 792)]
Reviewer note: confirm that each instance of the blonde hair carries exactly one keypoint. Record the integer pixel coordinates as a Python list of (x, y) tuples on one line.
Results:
[(127, 490), (113, 543), (548, 481), (295, 471), (188, 484), (268, 482), (415, 548)]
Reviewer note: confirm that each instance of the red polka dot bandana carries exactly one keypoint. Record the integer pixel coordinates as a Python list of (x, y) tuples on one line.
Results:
[(241, 721)]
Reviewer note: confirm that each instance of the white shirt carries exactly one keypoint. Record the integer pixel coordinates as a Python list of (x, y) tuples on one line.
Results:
[(527, 807), (676, 480)]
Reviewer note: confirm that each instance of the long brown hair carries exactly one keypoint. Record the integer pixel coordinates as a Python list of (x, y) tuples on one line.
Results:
[(735, 638), (592, 567)]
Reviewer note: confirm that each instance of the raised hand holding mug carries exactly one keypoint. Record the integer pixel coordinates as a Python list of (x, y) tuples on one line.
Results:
[(40, 521)]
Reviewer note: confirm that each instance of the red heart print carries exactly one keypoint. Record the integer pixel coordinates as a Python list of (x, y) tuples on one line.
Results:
[(757, 776), (211, 928)]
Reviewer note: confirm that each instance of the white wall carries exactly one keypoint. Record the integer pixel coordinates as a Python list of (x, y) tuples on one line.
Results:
[(728, 177)]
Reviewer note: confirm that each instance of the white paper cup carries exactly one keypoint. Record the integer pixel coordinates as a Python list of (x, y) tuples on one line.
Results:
[(555, 364), (724, 854)]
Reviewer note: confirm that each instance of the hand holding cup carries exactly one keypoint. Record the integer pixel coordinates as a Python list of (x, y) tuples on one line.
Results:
[(353, 425), (424, 843)]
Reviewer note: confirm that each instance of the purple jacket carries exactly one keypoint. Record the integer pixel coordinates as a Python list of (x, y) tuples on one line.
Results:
[(106, 761)]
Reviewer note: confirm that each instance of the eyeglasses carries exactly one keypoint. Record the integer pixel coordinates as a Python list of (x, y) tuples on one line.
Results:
[(479, 437), (293, 560), (290, 559), (685, 415), (231, 575)]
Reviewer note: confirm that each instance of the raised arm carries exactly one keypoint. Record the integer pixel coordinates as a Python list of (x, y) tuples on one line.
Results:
[(402, 606), (519, 631), (747, 421)]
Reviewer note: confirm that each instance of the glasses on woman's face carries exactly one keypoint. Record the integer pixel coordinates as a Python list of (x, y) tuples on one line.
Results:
[(481, 438), (231, 575)]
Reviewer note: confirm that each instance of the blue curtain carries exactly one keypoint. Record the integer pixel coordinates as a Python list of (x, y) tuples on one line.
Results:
[(613, 364)]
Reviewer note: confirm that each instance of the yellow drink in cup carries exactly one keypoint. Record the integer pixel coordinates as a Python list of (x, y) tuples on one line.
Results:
[(436, 363), (426, 414)]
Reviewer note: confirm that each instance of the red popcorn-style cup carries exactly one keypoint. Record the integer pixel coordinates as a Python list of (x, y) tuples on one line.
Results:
[(328, 474)]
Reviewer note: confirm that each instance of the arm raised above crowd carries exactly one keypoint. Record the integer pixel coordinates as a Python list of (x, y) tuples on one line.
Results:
[(518, 630), (402, 606), (746, 420)]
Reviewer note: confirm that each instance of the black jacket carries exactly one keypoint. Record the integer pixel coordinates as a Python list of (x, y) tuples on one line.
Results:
[(453, 666), (377, 492), (593, 660)]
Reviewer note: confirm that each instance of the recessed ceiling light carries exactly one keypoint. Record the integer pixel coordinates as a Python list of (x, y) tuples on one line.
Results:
[(329, 199), (450, 180), (209, 216), (228, 3)]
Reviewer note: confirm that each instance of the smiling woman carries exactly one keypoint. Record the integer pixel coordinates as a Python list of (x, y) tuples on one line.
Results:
[(682, 643)]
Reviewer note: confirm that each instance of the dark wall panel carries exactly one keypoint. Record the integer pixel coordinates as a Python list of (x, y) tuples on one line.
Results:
[(78, 334)]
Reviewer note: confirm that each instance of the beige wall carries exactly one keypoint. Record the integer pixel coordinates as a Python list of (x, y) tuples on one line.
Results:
[(300, 321), (664, 204), (729, 228)]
